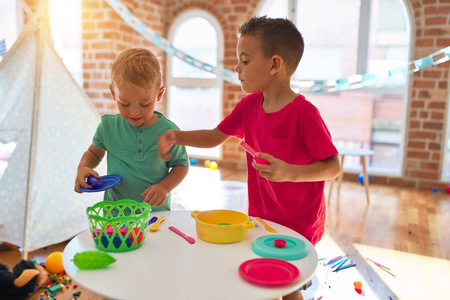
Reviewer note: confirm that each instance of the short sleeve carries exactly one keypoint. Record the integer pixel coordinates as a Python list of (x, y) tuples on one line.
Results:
[(99, 137), (317, 137), (233, 123)]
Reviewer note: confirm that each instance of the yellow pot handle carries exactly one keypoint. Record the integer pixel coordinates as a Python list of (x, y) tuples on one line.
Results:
[(194, 213), (248, 225)]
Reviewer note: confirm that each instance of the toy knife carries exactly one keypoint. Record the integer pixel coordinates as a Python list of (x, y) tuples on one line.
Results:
[(252, 152), (187, 238)]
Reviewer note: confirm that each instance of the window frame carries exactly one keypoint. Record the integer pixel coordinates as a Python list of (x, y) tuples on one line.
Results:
[(197, 82)]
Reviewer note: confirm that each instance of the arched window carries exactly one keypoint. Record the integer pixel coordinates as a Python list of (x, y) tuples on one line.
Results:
[(364, 37), (195, 95)]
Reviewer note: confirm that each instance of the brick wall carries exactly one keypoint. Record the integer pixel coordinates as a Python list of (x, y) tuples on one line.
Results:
[(105, 35)]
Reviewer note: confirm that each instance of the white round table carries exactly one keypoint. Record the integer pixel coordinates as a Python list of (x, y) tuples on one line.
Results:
[(168, 267)]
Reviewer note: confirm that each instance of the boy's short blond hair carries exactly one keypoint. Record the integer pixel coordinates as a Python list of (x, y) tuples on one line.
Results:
[(138, 67), (276, 37)]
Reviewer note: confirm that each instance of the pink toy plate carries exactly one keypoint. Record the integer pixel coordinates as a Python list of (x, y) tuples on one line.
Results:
[(269, 272)]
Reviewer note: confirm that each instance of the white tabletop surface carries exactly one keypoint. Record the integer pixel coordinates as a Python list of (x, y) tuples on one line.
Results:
[(168, 267)]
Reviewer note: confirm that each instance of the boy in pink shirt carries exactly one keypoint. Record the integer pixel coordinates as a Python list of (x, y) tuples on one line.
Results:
[(282, 126)]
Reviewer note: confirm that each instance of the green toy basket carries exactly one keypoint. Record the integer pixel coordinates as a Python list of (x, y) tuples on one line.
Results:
[(118, 226)]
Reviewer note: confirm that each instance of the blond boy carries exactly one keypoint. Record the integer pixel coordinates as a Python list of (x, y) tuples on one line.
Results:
[(129, 138)]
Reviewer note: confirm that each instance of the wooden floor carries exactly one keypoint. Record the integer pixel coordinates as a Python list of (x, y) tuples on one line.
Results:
[(404, 229)]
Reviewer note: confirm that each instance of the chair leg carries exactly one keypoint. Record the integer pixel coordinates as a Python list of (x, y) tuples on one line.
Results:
[(366, 178)]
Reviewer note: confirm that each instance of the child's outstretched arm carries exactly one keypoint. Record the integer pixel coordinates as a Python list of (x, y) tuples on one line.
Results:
[(279, 170), (156, 194), (206, 138), (89, 161)]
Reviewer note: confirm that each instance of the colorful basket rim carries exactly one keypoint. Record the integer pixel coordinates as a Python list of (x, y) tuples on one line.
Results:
[(119, 233)]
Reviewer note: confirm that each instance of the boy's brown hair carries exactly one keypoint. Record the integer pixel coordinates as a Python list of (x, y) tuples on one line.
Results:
[(138, 67), (277, 37)]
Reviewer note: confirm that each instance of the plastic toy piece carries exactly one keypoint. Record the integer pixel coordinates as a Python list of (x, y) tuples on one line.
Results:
[(91, 260), (266, 227), (152, 220), (108, 181), (358, 287), (252, 152), (269, 272), (293, 249), (94, 181), (279, 243), (53, 263), (155, 226), (190, 240)]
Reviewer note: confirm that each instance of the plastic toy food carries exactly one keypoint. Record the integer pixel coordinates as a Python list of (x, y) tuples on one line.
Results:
[(91, 260), (94, 181), (54, 264)]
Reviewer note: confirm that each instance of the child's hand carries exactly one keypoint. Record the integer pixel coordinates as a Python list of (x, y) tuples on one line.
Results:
[(155, 194), (273, 172), (82, 174), (165, 142)]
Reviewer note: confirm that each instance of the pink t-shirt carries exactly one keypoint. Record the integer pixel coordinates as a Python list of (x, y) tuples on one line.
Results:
[(297, 135)]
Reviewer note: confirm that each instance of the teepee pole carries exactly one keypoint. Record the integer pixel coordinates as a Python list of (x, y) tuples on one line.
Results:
[(34, 124)]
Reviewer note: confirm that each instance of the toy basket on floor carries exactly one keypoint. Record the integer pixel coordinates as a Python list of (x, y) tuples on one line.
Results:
[(118, 226)]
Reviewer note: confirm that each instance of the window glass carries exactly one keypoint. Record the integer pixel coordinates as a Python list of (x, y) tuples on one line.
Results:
[(275, 9), (203, 105), (331, 38), (194, 95), (372, 117), (197, 38), (65, 25)]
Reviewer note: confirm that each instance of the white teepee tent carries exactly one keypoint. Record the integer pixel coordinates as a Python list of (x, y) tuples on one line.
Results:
[(52, 122)]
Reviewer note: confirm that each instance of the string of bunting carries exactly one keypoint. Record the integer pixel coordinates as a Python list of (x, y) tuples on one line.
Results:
[(314, 86)]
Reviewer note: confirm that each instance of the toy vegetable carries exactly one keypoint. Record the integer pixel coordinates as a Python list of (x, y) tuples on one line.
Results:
[(91, 260)]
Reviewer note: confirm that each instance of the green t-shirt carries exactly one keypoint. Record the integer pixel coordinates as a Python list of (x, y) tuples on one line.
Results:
[(132, 154)]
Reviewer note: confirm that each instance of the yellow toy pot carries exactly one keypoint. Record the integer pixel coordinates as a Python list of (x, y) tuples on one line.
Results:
[(221, 226)]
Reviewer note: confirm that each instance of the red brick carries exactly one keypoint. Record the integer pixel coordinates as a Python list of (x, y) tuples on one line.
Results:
[(422, 135), (425, 175), (433, 125), (416, 145), (436, 21), (424, 84), (418, 154), (429, 165)]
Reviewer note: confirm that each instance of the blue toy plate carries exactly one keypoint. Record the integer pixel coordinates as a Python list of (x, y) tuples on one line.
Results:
[(293, 249), (108, 181)]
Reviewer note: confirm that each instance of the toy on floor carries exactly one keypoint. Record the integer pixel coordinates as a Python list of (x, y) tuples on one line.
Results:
[(54, 264), (23, 281), (361, 178), (213, 165), (193, 161), (358, 287)]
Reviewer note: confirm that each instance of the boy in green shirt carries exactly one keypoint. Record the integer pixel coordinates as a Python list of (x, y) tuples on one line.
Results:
[(130, 138)]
